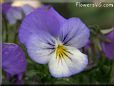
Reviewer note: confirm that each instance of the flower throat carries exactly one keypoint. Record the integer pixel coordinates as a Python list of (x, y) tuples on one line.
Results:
[(61, 52)]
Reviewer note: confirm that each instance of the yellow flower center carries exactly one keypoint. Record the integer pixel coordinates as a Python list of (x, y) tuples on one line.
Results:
[(61, 52)]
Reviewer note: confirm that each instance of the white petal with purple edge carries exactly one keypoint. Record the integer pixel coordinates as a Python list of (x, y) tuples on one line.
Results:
[(67, 67), (40, 47), (74, 33)]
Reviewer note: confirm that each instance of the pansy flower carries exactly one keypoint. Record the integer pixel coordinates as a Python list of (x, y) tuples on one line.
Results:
[(13, 61), (56, 41), (14, 11), (108, 48)]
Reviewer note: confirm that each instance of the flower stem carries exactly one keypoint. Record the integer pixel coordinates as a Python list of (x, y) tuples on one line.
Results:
[(110, 71), (6, 28), (16, 31)]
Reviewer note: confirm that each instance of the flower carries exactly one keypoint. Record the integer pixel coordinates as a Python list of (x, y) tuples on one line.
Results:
[(108, 48), (50, 38), (13, 61), (27, 5), (38, 20), (14, 11), (21, 3)]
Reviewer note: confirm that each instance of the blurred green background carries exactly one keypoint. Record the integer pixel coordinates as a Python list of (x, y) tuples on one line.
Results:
[(102, 16)]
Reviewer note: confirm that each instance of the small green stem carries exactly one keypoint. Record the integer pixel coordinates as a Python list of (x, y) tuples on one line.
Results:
[(16, 32), (6, 28), (110, 71)]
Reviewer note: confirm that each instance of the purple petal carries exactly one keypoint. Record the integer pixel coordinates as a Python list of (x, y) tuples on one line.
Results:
[(5, 7), (27, 9), (10, 18), (108, 48), (44, 18), (13, 59), (12, 13), (16, 12), (74, 33)]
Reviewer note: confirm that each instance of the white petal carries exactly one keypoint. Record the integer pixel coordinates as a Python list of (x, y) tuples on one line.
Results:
[(32, 3), (39, 49), (67, 67)]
